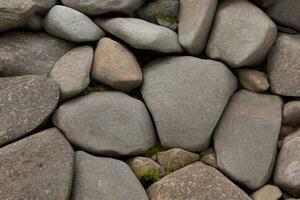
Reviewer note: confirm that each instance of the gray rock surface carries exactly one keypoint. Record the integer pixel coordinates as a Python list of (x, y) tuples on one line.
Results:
[(283, 65), (39, 167), (245, 139), (24, 53), (291, 113), (253, 80), (105, 179), (196, 181), (72, 71), (141, 34), (268, 192), (107, 123), (98, 7), (69, 24), (195, 20), (35, 23), (186, 96), (25, 104), (242, 34), (287, 171)]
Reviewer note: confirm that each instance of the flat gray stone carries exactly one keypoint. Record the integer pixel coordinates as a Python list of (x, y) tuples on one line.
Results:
[(141, 34), (72, 71), (291, 113), (98, 7), (245, 139), (253, 80), (283, 62), (242, 34), (195, 20), (25, 53), (39, 167), (107, 123), (25, 103), (105, 179), (196, 181), (186, 96), (69, 24), (287, 171)]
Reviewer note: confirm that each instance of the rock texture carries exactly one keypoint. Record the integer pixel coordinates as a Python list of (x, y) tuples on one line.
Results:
[(253, 80), (268, 192), (37, 167), (241, 35), (246, 137), (25, 103), (291, 113), (186, 97)]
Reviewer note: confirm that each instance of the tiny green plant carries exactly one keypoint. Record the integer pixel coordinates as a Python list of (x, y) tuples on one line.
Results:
[(154, 151), (148, 177)]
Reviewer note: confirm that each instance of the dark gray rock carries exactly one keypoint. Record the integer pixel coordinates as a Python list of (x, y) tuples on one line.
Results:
[(24, 53), (107, 123), (25, 104), (105, 179), (186, 96), (196, 181), (39, 167), (246, 137), (291, 113), (35, 23)]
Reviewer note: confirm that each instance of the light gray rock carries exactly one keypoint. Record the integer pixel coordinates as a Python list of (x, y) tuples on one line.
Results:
[(107, 123), (39, 167), (245, 139), (242, 34), (286, 13), (253, 80), (287, 171), (98, 7), (283, 65), (141, 34), (268, 192), (291, 113), (195, 20), (186, 96), (24, 53), (15, 13), (72, 71), (196, 181), (25, 104), (105, 179), (69, 24)]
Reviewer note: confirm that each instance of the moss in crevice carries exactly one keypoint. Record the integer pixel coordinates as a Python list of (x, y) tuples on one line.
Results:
[(94, 87), (160, 16), (147, 178), (154, 151)]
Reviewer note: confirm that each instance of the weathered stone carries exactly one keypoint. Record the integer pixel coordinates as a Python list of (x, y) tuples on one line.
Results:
[(246, 137), (24, 53), (209, 157), (116, 66), (291, 113), (25, 104), (39, 167), (98, 7), (195, 20), (283, 65), (141, 34), (105, 179), (35, 23), (268, 192), (72, 71), (286, 130), (253, 80), (242, 34), (186, 97), (69, 24), (106, 123), (196, 181)]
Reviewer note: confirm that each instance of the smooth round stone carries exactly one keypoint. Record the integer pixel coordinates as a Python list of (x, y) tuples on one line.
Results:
[(291, 113), (37, 167), (69, 24), (268, 192), (253, 80), (107, 123)]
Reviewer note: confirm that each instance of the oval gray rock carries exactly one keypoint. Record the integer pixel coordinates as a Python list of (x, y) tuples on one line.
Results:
[(107, 123), (291, 113), (25, 103), (245, 139), (39, 167), (186, 96), (253, 80)]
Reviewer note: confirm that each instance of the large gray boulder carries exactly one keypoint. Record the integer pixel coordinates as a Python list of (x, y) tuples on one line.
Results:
[(25, 104), (242, 34), (107, 123), (196, 181), (283, 62), (245, 139), (141, 34), (39, 167), (24, 53), (105, 179), (186, 96), (195, 20)]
